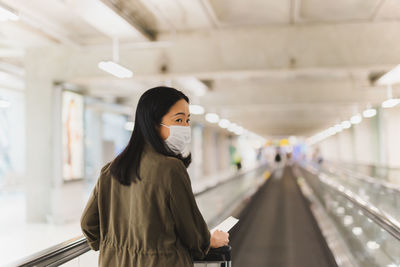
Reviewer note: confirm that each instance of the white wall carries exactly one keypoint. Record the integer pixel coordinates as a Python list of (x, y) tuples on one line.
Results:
[(391, 133), (346, 146), (364, 142), (374, 141)]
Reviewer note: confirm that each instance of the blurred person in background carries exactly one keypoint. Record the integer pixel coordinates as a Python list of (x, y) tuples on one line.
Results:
[(278, 157), (142, 211), (317, 158)]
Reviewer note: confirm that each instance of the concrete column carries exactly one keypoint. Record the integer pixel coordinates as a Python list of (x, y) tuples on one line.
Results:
[(196, 168), (93, 144), (210, 159), (223, 152), (381, 137), (48, 198)]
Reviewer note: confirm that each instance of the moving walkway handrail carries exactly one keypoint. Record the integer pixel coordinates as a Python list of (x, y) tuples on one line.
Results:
[(75, 247), (382, 166), (57, 254), (391, 225), (367, 178)]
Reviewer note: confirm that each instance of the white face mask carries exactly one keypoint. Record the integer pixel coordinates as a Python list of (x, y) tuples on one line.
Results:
[(179, 139)]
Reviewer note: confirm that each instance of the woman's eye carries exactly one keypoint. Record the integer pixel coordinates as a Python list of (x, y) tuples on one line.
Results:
[(187, 121), (179, 120)]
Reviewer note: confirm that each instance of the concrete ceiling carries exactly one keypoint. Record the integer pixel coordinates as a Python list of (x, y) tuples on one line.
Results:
[(290, 67)]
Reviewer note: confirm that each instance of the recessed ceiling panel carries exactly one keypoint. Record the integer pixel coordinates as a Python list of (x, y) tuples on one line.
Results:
[(338, 10), (389, 10), (251, 12)]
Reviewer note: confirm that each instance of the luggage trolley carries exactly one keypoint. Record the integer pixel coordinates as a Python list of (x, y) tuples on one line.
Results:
[(215, 256)]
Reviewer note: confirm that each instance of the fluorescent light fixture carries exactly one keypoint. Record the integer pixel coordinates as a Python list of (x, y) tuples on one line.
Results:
[(193, 85), (129, 125), (104, 19), (238, 130), (369, 113), (7, 14), (115, 69), (212, 117), (390, 77), (332, 131), (224, 123), (338, 128), (232, 127), (196, 109), (356, 119), (4, 103), (346, 124), (390, 103)]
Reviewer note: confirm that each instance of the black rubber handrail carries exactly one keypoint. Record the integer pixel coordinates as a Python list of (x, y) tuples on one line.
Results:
[(71, 249), (56, 255)]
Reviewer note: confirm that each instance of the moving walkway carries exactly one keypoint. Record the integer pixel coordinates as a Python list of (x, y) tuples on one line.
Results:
[(278, 225)]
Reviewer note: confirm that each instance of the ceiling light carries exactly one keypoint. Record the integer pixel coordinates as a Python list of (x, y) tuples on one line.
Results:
[(338, 128), (390, 77), (239, 130), (369, 113), (331, 131), (129, 125), (356, 119), (346, 124), (224, 123), (390, 103), (196, 109), (4, 103), (115, 69), (193, 85), (232, 127), (212, 117), (7, 14)]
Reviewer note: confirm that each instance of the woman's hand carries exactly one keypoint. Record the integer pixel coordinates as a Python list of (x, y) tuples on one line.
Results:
[(219, 239)]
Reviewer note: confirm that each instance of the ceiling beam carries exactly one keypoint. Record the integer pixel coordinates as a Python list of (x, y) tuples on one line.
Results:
[(277, 49)]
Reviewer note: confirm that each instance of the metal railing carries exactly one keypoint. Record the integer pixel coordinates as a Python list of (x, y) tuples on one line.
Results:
[(334, 168), (372, 234)]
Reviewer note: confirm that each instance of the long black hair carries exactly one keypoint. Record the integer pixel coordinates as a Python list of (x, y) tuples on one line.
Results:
[(152, 106)]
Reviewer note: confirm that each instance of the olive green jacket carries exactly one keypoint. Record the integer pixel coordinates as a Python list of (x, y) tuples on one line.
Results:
[(153, 222)]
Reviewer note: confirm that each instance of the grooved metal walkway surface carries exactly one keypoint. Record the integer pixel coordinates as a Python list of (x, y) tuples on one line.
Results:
[(277, 229)]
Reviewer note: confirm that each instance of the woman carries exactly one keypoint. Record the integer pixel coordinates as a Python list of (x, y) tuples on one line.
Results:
[(142, 211)]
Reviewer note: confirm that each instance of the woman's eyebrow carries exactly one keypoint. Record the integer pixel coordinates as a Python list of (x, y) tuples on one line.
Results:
[(180, 113)]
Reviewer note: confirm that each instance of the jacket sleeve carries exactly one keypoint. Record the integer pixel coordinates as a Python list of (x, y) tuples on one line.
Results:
[(90, 221), (190, 226)]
